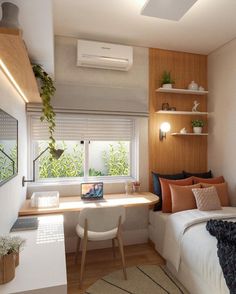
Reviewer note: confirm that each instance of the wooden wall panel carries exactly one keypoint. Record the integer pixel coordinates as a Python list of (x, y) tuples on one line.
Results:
[(174, 154), (14, 55)]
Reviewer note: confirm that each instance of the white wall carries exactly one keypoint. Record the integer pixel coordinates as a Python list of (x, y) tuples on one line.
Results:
[(96, 89), (12, 194), (222, 121), (99, 89)]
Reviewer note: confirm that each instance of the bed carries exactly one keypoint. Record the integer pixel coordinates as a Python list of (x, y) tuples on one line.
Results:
[(190, 251)]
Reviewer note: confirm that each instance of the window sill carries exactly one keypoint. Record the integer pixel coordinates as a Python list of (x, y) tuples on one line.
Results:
[(57, 183)]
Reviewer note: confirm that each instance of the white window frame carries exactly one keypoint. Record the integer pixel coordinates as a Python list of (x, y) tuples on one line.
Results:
[(134, 162)]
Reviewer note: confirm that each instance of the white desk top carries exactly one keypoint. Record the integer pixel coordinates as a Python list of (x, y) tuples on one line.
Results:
[(42, 261)]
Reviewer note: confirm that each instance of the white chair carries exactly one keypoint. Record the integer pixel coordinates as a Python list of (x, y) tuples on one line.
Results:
[(100, 224)]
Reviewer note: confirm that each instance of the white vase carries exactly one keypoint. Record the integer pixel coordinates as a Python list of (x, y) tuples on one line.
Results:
[(193, 86), (167, 86), (10, 14), (197, 130)]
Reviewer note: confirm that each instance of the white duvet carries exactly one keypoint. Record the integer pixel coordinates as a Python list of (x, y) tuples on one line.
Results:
[(187, 240)]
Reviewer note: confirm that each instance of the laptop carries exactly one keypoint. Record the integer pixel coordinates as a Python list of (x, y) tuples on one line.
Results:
[(92, 191)]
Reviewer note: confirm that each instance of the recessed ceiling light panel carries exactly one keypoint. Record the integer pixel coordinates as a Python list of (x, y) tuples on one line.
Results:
[(167, 9)]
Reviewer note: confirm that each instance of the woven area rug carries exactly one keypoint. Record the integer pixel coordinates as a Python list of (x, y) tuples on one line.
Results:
[(143, 279)]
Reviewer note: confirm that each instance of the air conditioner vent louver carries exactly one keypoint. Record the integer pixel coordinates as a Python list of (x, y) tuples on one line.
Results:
[(103, 55)]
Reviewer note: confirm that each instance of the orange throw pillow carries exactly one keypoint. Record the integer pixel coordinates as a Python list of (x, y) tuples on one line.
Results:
[(166, 194), (182, 197), (217, 180), (222, 190)]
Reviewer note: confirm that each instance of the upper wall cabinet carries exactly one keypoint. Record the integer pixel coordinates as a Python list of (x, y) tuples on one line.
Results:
[(15, 63)]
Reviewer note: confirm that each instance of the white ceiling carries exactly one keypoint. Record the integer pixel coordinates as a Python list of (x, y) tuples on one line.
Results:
[(36, 22), (205, 27)]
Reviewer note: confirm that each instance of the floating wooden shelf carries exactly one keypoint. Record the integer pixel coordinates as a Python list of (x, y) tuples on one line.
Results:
[(181, 91), (189, 134), (15, 63), (181, 112)]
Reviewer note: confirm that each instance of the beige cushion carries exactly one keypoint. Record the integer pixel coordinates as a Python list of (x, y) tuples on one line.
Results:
[(207, 198), (222, 190), (182, 197)]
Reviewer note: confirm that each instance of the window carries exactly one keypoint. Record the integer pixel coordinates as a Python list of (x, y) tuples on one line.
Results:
[(96, 148)]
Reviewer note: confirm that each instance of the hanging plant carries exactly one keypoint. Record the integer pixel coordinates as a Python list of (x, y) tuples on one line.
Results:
[(47, 90)]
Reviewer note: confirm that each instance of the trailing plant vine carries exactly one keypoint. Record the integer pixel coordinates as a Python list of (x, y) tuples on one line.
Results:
[(47, 90)]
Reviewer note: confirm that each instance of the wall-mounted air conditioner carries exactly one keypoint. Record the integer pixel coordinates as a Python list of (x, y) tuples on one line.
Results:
[(104, 55)]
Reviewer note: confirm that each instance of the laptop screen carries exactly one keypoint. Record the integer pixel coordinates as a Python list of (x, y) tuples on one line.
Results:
[(92, 190)]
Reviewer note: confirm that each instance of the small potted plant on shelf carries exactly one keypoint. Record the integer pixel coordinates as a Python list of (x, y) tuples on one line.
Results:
[(197, 125), (166, 80), (9, 257)]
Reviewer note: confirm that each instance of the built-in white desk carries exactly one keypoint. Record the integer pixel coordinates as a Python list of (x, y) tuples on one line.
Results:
[(42, 268)]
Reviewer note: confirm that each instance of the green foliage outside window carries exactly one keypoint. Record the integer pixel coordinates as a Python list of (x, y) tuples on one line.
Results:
[(6, 168), (95, 173), (116, 160), (70, 164)]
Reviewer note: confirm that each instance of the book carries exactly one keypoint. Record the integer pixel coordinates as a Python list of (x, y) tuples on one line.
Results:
[(25, 223)]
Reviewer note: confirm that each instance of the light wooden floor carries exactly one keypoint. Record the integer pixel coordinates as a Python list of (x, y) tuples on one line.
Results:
[(100, 263)]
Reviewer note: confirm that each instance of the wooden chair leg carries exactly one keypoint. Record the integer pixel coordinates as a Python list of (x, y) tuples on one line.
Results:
[(84, 250), (120, 243), (77, 250), (114, 248)]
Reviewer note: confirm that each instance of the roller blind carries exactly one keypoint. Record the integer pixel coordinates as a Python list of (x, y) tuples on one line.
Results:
[(76, 127), (8, 127)]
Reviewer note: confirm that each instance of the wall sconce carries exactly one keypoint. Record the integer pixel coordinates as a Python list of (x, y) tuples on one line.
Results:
[(57, 153), (164, 128)]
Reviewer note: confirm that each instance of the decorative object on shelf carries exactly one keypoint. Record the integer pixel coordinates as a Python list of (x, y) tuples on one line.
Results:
[(165, 106), (183, 131), (193, 86), (197, 125), (166, 80), (164, 128), (128, 187), (195, 106), (136, 187), (201, 88), (9, 257), (10, 13), (57, 154), (47, 90)]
